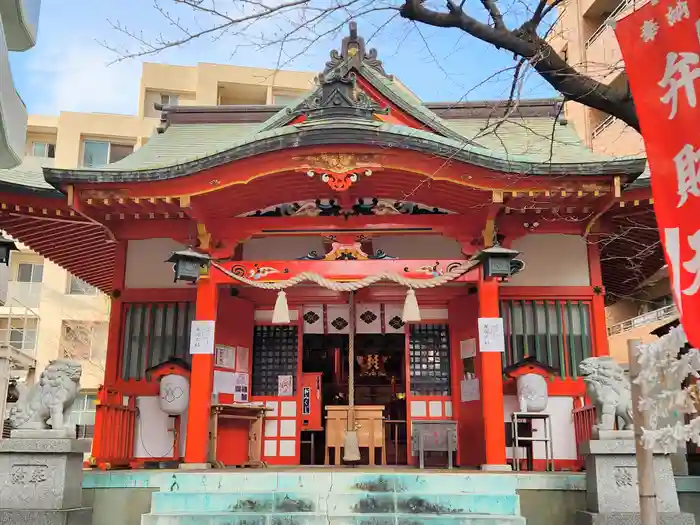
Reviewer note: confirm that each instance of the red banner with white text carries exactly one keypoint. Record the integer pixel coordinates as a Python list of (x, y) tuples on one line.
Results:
[(660, 44)]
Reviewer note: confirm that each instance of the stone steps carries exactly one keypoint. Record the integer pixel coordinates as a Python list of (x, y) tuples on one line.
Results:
[(334, 498), (334, 504), (227, 518), (343, 482)]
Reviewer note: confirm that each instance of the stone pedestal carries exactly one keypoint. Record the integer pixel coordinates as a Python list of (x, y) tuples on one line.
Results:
[(612, 492), (41, 481)]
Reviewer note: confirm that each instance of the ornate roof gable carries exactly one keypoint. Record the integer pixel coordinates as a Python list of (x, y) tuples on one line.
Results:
[(353, 54), (339, 94)]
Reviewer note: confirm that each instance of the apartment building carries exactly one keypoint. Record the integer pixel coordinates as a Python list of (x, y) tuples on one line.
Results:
[(584, 35), (47, 312)]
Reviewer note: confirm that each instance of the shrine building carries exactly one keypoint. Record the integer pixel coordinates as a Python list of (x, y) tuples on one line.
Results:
[(343, 249)]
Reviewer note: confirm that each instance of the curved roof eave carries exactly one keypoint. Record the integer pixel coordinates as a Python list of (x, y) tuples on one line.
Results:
[(321, 133)]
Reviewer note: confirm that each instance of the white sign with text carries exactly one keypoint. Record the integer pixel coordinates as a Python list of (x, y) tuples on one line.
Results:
[(491, 335)]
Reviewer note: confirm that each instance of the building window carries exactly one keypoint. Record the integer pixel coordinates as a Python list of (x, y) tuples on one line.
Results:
[(77, 286), (20, 333), (283, 100), (84, 340), (99, 152), (152, 334), (44, 150), (83, 415), (30, 273), (169, 100), (557, 333)]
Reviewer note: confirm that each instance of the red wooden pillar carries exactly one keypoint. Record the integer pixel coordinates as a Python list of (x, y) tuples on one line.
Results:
[(114, 334), (201, 381), (492, 384), (599, 324)]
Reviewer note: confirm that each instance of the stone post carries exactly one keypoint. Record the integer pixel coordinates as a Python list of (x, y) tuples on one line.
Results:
[(41, 464), (612, 493), (41, 481)]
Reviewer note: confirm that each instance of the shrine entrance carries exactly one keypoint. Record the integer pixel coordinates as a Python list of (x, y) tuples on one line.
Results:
[(379, 388)]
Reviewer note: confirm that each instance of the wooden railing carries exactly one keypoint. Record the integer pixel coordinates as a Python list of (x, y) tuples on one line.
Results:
[(115, 424), (584, 419)]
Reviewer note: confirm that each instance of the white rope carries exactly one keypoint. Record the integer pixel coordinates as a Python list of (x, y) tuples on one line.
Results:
[(353, 286)]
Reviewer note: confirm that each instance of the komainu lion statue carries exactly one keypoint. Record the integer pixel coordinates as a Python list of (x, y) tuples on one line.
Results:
[(609, 390), (50, 399)]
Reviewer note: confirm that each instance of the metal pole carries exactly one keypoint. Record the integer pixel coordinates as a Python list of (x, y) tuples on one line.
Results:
[(645, 458)]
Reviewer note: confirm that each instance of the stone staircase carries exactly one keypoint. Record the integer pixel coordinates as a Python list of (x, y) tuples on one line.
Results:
[(314, 497)]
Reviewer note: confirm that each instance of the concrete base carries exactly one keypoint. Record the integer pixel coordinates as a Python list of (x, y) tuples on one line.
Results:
[(614, 434), (43, 433), (44, 474), (611, 479), (632, 518), (496, 468), (79, 516), (194, 466)]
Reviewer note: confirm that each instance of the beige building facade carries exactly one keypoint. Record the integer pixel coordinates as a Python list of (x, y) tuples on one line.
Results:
[(584, 35), (47, 313)]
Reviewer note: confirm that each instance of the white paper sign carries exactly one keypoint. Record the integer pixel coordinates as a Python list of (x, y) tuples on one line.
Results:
[(225, 356), (202, 337), (242, 358), (469, 390), (467, 348), (285, 385), (240, 394), (224, 382), (491, 336)]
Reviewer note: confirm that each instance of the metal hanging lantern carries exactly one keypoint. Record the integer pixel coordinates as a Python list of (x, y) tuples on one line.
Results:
[(6, 246), (189, 264), (499, 262)]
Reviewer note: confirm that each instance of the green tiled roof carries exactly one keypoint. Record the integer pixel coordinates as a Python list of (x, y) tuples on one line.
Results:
[(189, 148), (28, 176), (527, 140), (182, 143), (540, 139)]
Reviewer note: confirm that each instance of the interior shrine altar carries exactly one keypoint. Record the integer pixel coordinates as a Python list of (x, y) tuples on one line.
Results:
[(340, 272)]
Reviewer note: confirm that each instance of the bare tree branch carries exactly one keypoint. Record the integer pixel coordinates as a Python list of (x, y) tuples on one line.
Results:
[(526, 43), (493, 10)]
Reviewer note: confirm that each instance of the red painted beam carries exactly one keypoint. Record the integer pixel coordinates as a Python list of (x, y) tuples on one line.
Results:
[(273, 271), (243, 227), (247, 170), (131, 229)]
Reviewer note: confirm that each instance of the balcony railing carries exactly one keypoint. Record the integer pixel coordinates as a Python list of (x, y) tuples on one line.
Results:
[(605, 124), (24, 294), (661, 314), (609, 20)]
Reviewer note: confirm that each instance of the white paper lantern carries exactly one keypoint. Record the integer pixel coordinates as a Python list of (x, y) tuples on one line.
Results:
[(532, 393), (174, 394)]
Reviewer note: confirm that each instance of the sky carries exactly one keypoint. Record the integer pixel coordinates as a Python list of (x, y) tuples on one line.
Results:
[(69, 69)]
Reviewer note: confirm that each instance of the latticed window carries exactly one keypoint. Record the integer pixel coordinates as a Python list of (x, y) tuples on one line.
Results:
[(429, 359), (274, 355), (153, 333), (557, 333)]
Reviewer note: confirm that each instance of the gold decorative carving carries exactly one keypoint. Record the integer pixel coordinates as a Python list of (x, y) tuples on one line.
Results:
[(203, 237), (338, 162)]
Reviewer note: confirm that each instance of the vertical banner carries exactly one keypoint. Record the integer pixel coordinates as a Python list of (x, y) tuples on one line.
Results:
[(660, 44)]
